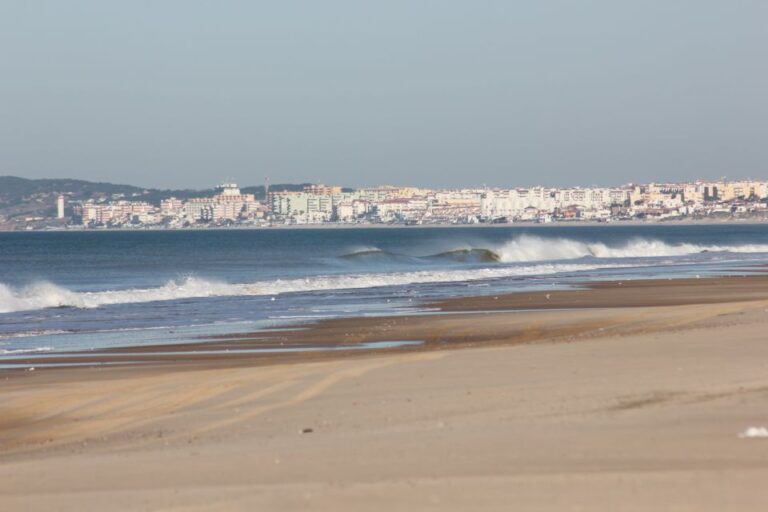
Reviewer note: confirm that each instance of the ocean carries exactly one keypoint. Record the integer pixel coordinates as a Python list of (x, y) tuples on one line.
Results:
[(71, 291)]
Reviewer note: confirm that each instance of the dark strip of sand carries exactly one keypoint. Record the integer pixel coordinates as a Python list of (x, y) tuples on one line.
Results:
[(622, 294), (504, 319)]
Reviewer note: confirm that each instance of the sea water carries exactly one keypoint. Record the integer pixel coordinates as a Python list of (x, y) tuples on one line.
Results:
[(97, 289)]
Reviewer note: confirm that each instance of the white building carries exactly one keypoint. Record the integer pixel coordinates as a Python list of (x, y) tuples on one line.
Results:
[(199, 209), (316, 203), (590, 198), (115, 212), (513, 203), (228, 205), (60, 207), (346, 211), (414, 208), (171, 207)]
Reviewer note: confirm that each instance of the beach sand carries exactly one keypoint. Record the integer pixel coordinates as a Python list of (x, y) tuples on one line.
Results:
[(622, 397)]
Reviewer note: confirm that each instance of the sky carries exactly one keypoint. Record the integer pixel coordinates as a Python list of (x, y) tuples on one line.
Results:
[(440, 93)]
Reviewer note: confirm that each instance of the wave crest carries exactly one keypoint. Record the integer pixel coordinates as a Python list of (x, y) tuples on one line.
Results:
[(37, 296), (372, 252), (525, 256), (531, 248), (46, 295)]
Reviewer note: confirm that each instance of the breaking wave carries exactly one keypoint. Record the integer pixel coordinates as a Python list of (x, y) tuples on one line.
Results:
[(523, 256), (530, 248), (48, 295)]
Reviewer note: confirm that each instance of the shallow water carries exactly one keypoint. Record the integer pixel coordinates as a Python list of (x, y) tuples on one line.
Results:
[(93, 290)]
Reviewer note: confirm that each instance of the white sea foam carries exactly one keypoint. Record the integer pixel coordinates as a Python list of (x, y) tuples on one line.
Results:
[(531, 248), (37, 296), (536, 255), (29, 334), (6, 352), (47, 295), (528, 249)]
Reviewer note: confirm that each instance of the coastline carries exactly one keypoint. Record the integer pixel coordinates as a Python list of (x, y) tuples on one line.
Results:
[(622, 397), (503, 319), (634, 223)]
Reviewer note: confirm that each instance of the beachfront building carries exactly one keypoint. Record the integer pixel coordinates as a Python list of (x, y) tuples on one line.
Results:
[(199, 209), (590, 198), (454, 206), (287, 203), (350, 210), (114, 213), (412, 209), (512, 203), (466, 197), (316, 203), (229, 204), (541, 204), (171, 207), (667, 195)]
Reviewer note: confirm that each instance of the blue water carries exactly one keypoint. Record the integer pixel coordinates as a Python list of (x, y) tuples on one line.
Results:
[(91, 290)]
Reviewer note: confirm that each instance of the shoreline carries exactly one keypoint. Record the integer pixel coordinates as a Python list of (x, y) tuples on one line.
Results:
[(614, 403), (441, 325), (633, 223)]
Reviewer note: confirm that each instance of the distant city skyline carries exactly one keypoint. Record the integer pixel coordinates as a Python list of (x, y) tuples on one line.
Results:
[(430, 94), (26, 204)]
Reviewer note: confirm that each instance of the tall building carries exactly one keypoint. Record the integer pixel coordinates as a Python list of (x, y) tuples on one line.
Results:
[(228, 204), (60, 207), (171, 206)]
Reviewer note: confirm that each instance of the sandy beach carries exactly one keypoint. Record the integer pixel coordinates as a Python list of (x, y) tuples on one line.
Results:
[(623, 396)]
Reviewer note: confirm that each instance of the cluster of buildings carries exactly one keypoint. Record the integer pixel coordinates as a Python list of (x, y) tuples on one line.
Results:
[(319, 204), (228, 205), (651, 201)]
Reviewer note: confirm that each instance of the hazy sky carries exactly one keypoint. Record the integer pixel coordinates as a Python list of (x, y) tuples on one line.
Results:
[(173, 93)]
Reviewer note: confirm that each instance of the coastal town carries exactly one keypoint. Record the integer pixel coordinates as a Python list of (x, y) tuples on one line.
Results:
[(319, 204)]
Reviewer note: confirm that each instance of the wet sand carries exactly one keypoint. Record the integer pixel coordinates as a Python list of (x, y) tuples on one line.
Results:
[(620, 397), (635, 293), (453, 323)]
